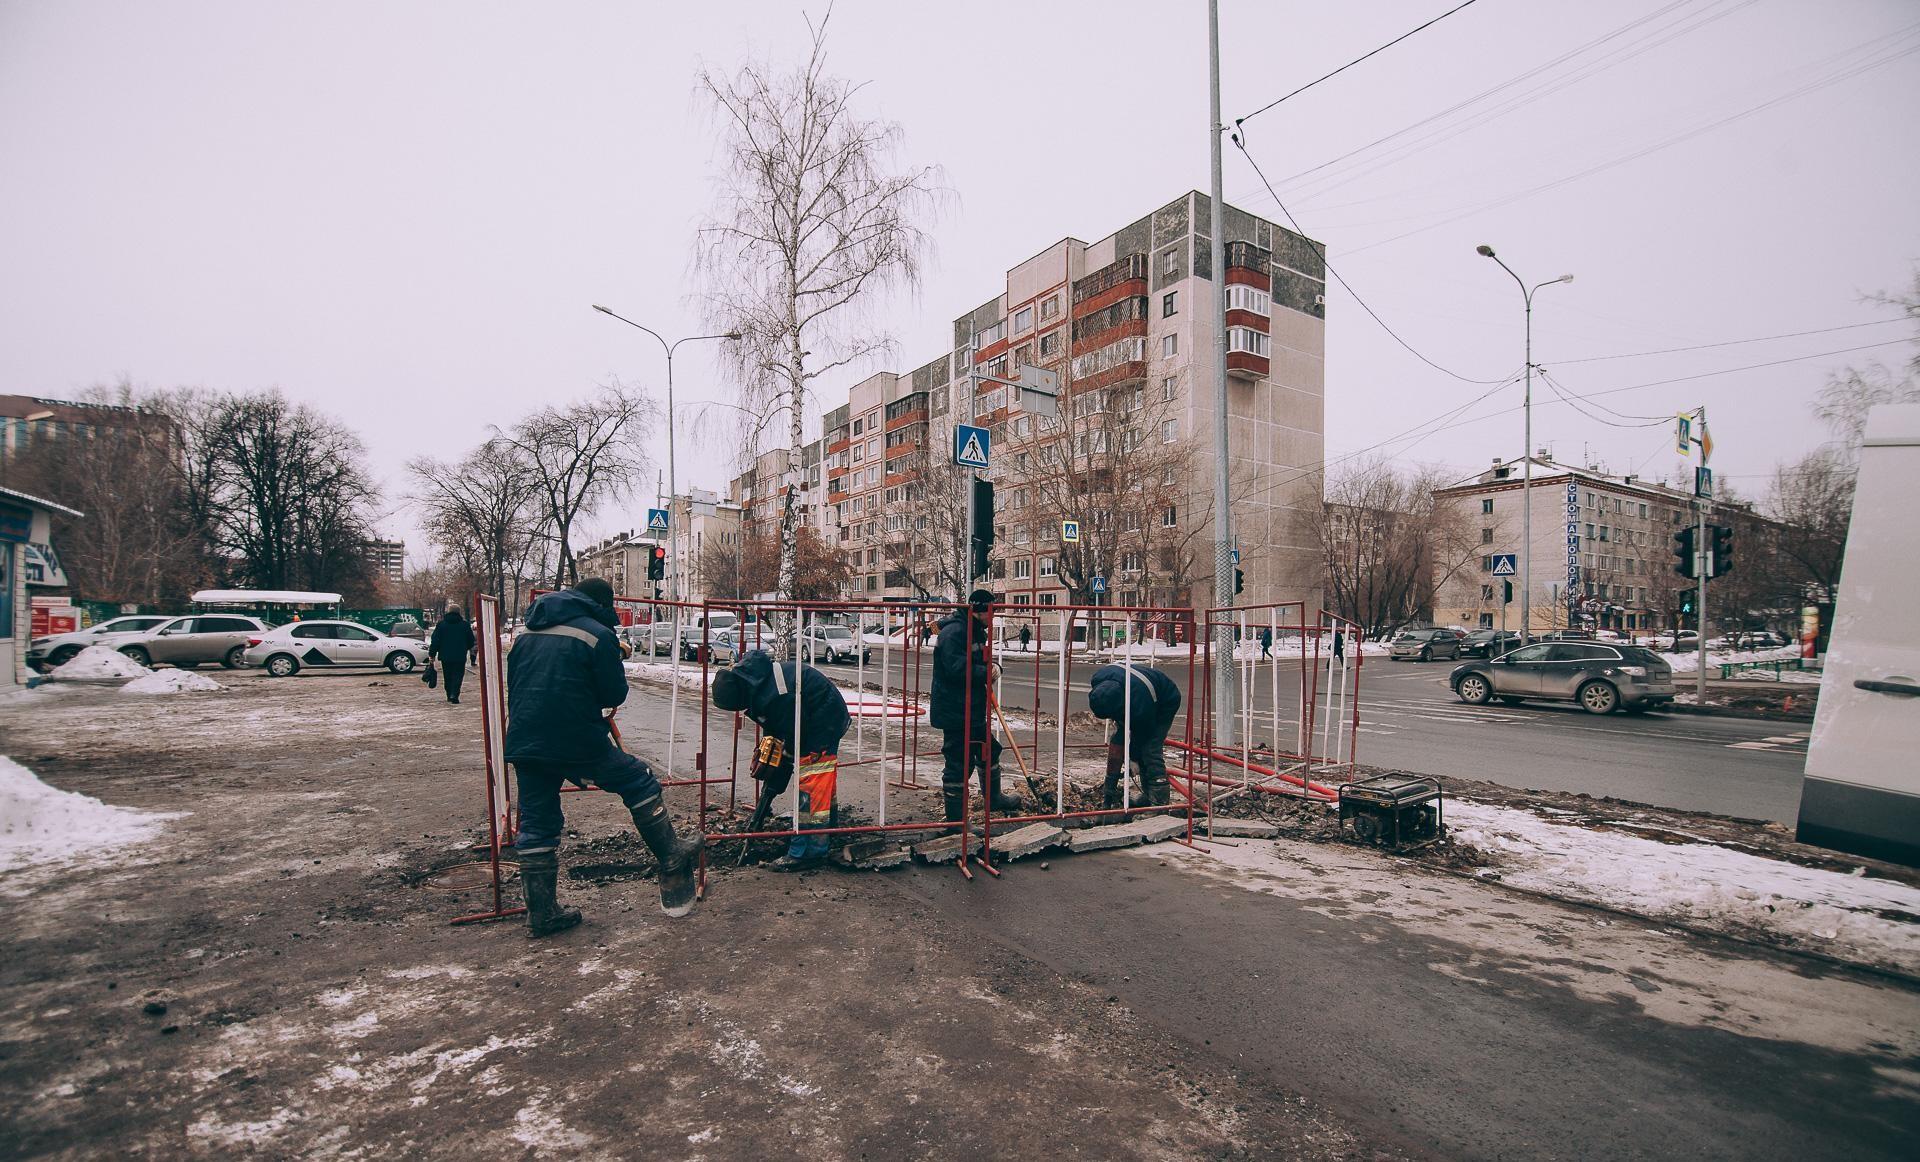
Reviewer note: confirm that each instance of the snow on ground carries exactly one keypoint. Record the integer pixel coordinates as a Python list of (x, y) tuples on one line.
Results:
[(41, 824), (1848, 916), (1688, 661), (171, 682), (97, 663)]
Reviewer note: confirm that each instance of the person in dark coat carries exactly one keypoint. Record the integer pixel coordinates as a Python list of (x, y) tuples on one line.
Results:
[(564, 677), (1139, 736), (1266, 641), (1026, 637), (452, 641), (960, 685), (763, 690)]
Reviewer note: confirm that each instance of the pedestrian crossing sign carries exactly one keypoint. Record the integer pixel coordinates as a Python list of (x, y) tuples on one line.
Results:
[(1099, 585), (1503, 564), (971, 446), (656, 520), (1070, 532)]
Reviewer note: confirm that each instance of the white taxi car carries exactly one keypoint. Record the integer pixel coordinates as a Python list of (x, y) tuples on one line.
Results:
[(329, 645)]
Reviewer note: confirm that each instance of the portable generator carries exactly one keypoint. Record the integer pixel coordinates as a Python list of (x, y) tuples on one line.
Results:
[(1396, 811)]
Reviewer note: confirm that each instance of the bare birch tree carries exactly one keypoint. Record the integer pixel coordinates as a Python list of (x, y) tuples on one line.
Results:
[(812, 221), (582, 454)]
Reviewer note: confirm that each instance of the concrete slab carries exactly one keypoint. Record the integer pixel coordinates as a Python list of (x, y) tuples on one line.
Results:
[(1238, 828), (1098, 838), (1026, 840), (872, 855), (946, 849), (1155, 828)]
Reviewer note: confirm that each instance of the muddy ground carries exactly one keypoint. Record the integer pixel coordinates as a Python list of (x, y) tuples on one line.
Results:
[(275, 976)]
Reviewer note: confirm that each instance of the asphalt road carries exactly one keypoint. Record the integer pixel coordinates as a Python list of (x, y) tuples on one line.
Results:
[(1410, 720), (1439, 1044)]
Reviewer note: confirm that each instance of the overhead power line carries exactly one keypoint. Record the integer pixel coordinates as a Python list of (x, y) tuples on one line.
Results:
[(1733, 342), (1238, 138), (1351, 63)]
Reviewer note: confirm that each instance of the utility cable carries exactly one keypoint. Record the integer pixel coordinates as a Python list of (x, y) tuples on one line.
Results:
[(1732, 342), (1238, 138), (1343, 68)]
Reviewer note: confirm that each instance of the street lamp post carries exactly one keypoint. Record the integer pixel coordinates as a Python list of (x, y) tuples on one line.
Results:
[(673, 534), (1526, 452)]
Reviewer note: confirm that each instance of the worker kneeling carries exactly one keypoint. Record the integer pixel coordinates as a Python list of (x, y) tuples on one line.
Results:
[(1141, 720), (563, 678), (765, 691)]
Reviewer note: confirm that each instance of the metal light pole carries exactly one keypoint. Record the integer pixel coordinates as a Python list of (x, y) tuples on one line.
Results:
[(1226, 674), (1526, 452), (673, 534)]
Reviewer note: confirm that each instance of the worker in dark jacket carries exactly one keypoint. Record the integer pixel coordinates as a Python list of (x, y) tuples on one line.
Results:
[(1141, 721), (451, 643), (564, 677), (764, 691), (960, 684)]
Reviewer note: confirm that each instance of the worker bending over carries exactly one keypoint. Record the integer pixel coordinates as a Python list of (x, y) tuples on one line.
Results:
[(564, 678), (1139, 736), (764, 690)]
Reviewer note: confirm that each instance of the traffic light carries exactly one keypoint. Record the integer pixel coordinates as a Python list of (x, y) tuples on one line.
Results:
[(1683, 554), (1720, 539), (657, 563), (981, 535), (1506, 593), (1239, 582), (1686, 603)]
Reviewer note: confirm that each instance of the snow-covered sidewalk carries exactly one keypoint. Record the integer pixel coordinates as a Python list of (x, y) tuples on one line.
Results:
[(1850, 917)]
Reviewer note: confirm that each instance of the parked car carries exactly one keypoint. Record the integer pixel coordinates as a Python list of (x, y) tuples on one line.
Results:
[(1488, 643), (1686, 639), (722, 648), (329, 644), (835, 643), (1601, 678), (1425, 645), (1758, 639), (44, 653), (188, 641), (406, 627)]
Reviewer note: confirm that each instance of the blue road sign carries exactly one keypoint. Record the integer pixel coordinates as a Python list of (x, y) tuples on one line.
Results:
[(1505, 564), (1236, 556), (656, 520), (1099, 584), (971, 446), (1070, 532)]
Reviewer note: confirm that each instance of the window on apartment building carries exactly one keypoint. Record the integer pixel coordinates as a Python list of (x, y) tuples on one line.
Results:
[(1486, 564), (1023, 355), (1249, 340), (1643, 512), (859, 453), (1246, 298), (1486, 506), (1589, 530), (1130, 561), (1169, 346), (1130, 522), (1023, 320), (873, 447), (1169, 431), (873, 474), (1050, 308), (1129, 440), (1606, 533), (1170, 261), (858, 426), (1171, 517), (1049, 599), (1021, 425), (992, 335), (1170, 388), (1049, 344), (1486, 536), (1047, 567), (1486, 593), (1168, 305), (1022, 568)]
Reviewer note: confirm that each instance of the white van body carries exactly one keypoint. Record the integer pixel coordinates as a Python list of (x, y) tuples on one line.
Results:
[(1862, 789)]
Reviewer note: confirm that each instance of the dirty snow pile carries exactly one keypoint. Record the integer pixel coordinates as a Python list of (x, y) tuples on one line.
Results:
[(1687, 661), (171, 682), (98, 662), (1849, 916), (42, 824)]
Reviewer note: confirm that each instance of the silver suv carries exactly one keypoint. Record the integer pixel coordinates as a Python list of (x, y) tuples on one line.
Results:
[(44, 653), (189, 641), (1601, 678), (1425, 645)]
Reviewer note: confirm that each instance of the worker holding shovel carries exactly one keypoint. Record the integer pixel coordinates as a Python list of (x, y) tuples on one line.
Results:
[(765, 691), (1141, 719)]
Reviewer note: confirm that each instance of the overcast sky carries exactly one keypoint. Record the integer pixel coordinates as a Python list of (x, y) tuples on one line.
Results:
[(401, 212)]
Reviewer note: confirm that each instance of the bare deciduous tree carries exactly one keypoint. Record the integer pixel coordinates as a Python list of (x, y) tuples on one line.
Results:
[(1388, 547), (811, 222), (581, 454), (483, 514)]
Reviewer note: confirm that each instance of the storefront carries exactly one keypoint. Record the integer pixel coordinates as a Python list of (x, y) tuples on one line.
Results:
[(27, 558)]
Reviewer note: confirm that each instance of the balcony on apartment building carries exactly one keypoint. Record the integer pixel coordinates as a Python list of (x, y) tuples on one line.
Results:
[(1249, 311), (1110, 324)]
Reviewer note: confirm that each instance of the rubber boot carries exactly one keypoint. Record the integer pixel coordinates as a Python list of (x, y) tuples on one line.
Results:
[(954, 800), (539, 879), (1153, 775), (1110, 793), (677, 857), (1001, 803)]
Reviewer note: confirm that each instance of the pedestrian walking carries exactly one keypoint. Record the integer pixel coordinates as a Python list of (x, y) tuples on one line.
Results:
[(764, 690), (960, 710), (1026, 638), (564, 679), (1139, 737), (452, 643), (1266, 642)]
